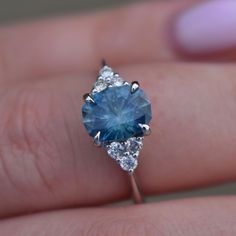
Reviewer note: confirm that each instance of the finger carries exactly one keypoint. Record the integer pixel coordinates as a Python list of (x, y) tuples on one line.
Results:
[(195, 217), (207, 30), (49, 161), (132, 34)]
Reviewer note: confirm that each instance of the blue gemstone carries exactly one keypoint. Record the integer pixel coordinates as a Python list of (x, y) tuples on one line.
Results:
[(117, 113)]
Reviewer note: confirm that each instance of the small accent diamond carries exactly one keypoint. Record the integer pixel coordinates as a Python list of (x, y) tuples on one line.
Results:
[(128, 163), (131, 147), (106, 73), (116, 150), (134, 144), (99, 86), (116, 80), (106, 78), (126, 153)]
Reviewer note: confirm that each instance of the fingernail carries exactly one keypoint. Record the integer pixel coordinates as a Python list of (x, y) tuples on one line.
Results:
[(207, 27)]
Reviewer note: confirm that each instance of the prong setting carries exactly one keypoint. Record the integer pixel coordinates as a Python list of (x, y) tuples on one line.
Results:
[(126, 83), (134, 86), (146, 129), (88, 98), (96, 140)]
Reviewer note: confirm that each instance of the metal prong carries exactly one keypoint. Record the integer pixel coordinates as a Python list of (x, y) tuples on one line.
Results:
[(139, 139), (134, 86), (130, 171), (146, 129), (88, 98), (104, 63), (96, 140), (126, 154), (136, 155)]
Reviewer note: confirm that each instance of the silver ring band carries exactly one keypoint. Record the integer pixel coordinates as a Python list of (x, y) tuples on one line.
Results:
[(138, 197)]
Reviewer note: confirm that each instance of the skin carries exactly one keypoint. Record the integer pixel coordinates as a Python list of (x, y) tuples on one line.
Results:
[(48, 164)]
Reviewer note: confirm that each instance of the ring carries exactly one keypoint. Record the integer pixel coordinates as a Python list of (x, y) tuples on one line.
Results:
[(117, 114)]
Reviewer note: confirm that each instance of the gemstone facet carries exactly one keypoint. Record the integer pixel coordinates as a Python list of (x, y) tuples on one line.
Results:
[(117, 113)]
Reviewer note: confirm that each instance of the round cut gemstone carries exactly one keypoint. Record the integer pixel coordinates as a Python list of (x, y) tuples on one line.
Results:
[(116, 113), (128, 163)]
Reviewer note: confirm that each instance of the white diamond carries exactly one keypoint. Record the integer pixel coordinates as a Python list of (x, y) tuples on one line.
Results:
[(116, 80), (107, 77), (134, 145), (106, 72), (128, 163), (99, 86), (126, 153), (116, 150)]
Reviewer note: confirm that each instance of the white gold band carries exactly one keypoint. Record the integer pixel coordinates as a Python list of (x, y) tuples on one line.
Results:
[(137, 194)]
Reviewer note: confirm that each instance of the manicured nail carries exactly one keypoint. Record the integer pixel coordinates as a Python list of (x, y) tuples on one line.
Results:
[(207, 27)]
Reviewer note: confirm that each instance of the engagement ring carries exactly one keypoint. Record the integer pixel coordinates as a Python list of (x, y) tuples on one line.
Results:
[(117, 114)]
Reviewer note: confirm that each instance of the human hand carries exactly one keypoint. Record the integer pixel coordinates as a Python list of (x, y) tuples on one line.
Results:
[(48, 163)]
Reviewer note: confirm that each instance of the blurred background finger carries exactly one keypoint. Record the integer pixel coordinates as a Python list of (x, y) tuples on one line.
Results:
[(138, 33)]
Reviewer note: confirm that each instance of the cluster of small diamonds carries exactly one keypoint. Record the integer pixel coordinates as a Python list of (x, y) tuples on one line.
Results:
[(107, 78), (125, 153)]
